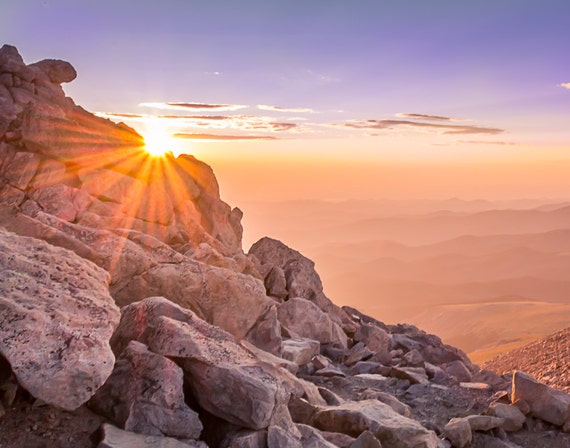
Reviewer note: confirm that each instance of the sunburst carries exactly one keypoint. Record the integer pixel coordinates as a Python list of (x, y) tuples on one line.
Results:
[(158, 138)]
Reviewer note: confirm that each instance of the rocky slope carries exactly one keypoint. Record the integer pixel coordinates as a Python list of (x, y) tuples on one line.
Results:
[(130, 316), (547, 359)]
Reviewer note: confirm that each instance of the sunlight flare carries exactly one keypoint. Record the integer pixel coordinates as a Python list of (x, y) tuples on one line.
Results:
[(158, 138)]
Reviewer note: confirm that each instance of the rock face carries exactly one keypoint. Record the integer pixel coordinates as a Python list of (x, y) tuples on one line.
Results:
[(56, 319), (214, 347)]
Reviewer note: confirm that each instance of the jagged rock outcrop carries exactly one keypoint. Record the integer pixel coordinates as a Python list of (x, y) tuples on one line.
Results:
[(56, 319), (301, 279), (86, 184), (214, 347)]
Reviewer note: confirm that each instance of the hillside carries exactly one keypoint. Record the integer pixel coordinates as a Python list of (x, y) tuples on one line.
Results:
[(130, 316), (547, 359)]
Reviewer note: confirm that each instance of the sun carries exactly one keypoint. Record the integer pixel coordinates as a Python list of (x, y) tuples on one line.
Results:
[(158, 140)]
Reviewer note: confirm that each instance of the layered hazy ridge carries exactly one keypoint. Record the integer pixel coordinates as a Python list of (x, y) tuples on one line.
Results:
[(487, 276)]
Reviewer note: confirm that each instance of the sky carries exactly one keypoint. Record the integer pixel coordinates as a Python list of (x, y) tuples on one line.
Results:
[(327, 99)]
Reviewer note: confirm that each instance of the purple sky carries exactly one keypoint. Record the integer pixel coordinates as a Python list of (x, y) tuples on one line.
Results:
[(365, 80)]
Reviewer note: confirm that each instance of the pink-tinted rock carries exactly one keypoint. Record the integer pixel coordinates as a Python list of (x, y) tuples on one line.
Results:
[(19, 169), (309, 321), (56, 319), (57, 71), (514, 418), (227, 380), (376, 339), (387, 425), (144, 394), (546, 403)]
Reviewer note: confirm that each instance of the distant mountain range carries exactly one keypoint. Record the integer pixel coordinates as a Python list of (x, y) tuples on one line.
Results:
[(498, 271)]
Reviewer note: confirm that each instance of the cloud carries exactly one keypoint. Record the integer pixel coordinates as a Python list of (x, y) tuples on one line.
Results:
[(322, 78), (218, 137), (442, 128), (482, 142), (194, 106), (182, 122), (566, 85), (427, 117), (305, 110)]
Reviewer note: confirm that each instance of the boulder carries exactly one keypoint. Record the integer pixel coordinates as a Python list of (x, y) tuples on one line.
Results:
[(226, 379), (458, 432), (56, 319), (389, 399), (144, 394), (300, 350), (301, 278), (415, 375), (357, 352), (309, 321), (245, 439), (276, 284), (484, 422), (388, 426), (19, 168), (278, 437), (545, 403), (338, 439), (330, 371), (514, 418), (366, 440), (57, 71), (376, 339), (458, 370), (312, 438), (229, 300), (117, 438)]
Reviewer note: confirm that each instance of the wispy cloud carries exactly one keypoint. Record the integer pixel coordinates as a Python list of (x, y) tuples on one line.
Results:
[(322, 78), (440, 128), (194, 106), (241, 122), (483, 142), (218, 137), (298, 110), (566, 85), (427, 117)]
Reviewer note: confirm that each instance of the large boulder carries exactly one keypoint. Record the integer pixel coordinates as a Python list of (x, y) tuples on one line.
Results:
[(514, 418), (546, 403), (57, 71), (226, 379), (144, 394), (391, 428), (56, 319), (307, 320), (117, 438), (227, 299)]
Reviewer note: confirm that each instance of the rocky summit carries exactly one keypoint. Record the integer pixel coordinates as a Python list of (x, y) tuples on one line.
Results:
[(131, 317)]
